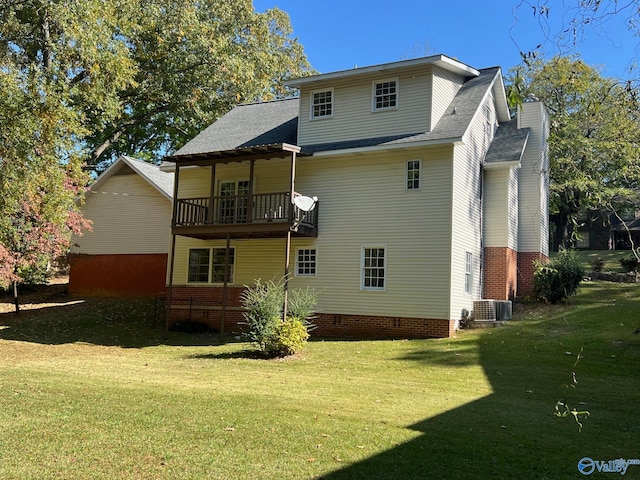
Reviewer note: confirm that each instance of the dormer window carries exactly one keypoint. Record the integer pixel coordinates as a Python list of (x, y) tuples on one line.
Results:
[(385, 95), (322, 104)]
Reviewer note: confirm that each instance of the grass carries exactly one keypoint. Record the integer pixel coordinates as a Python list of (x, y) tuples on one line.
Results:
[(611, 259), (91, 391)]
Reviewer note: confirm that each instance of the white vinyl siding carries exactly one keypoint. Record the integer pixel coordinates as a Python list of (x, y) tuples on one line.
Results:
[(501, 208), (533, 196), (446, 85), (467, 215), (129, 217), (353, 117)]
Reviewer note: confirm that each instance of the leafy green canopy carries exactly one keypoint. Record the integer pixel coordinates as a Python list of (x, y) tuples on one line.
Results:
[(593, 143), (144, 77)]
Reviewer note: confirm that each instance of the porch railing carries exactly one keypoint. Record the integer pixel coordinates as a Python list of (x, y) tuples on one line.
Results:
[(241, 209)]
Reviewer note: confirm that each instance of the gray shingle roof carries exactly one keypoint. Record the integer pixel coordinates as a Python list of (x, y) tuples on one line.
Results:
[(508, 144), (276, 122), (248, 125), (158, 179)]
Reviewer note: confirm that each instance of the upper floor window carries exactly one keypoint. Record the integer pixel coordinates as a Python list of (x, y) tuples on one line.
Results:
[(413, 174), (385, 95), (322, 104)]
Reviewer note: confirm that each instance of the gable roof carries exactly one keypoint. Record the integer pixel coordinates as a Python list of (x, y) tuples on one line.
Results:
[(160, 180)]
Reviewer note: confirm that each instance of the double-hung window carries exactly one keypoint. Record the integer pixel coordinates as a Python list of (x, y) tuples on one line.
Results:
[(385, 95), (413, 174), (373, 272), (207, 265), (468, 272), (306, 262), (322, 104)]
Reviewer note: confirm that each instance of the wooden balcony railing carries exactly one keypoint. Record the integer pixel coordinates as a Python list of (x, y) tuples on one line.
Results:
[(238, 209)]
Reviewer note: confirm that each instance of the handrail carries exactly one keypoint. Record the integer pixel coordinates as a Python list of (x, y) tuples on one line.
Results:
[(234, 209)]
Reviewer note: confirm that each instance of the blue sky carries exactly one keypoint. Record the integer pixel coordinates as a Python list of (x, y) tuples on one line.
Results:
[(340, 34)]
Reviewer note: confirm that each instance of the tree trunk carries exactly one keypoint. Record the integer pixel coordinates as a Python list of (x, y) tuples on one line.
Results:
[(15, 296)]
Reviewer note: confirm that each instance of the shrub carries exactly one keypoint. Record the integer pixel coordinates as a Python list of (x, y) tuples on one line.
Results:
[(559, 279), (263, 304), (630, 263), (290, 336), (597, 264)]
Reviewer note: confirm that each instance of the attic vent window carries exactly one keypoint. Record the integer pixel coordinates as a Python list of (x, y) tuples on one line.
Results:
[(385, 95), (322, 104)]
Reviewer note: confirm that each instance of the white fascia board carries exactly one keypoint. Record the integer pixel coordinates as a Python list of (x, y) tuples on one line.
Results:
[(441, 61)]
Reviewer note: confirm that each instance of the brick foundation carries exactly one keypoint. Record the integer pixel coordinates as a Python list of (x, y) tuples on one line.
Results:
[(526, 269), (204, 305), (361, 326), (500, 273), (118, 275)]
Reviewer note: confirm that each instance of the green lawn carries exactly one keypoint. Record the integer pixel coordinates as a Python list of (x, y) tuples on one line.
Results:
[(611, 258), (89, 391)]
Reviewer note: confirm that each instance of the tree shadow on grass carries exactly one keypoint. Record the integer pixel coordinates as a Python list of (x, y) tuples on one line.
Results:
[(513, 433), (50, 316)]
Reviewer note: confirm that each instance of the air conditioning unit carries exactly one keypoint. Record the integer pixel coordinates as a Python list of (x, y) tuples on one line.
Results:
[(503, 310), (484, 311)]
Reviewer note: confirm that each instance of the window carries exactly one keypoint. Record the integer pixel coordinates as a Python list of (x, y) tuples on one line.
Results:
[(217, 268), (373, 268), (322, 104), (413, 174), (199, 265), (206, 265), (385, 95), (468, 273), (306, 262)]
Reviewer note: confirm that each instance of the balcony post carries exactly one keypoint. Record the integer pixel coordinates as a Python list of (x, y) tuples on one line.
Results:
[(288, 241), (250, 193), (212, 191)]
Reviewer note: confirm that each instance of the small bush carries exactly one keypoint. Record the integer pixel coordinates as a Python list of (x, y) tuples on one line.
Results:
[(290, 337), (559, 279), (597, 264), (630, 263), (263, 304)]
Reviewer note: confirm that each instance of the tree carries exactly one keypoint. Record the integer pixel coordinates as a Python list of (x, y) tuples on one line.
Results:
[(38, 190), (564, 24), (593, 147), (144, 77)]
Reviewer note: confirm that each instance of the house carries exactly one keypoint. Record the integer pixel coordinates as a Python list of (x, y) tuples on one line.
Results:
[(604, 230), (430, 197), (125, 253)]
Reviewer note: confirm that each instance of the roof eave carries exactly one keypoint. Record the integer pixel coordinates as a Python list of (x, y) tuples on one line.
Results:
[(442, 61)]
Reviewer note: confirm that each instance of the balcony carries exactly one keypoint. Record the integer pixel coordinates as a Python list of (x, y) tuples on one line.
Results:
[(269, 215)]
